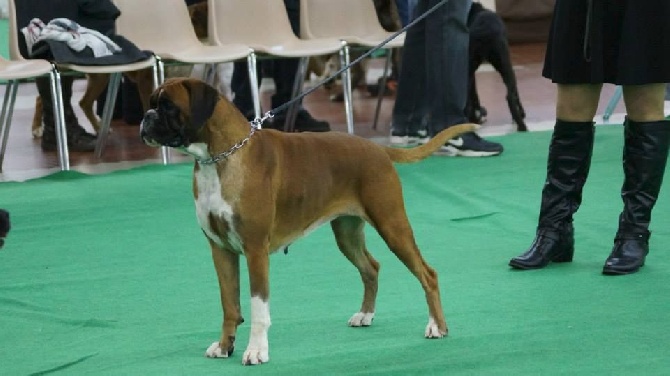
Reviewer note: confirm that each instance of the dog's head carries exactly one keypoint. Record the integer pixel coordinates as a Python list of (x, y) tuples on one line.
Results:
[(5, 226), (179, 109)]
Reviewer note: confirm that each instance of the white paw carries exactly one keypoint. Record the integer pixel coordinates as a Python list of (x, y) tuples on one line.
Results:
[(255, 355), (37, 132), (362, 319), (215, 351), (432, 331)]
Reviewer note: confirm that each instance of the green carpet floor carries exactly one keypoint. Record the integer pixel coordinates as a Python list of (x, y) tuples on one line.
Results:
[(110, 275), (4, 38)]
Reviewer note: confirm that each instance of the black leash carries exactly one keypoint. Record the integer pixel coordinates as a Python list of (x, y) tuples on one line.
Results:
[(270, 114)]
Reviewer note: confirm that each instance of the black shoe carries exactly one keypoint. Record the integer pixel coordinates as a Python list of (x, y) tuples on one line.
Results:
[(549, 246), (470, 145), (304, 122), (628, 254), (77, 140)]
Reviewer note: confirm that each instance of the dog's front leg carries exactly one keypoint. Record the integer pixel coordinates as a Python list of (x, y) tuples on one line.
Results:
[(258, 263), (227, 264)]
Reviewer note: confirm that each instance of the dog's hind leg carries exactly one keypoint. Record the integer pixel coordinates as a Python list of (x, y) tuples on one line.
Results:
[(351, 242), (389, 218), (227, 265), (96, 84)]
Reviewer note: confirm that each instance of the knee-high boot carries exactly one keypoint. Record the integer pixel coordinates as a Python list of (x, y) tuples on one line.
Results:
[(77, 138), (567, 169), (645, 155)]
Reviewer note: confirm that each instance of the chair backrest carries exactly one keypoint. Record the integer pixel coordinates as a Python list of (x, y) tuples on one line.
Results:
[(256, 23), (157, 26), (325, 19)]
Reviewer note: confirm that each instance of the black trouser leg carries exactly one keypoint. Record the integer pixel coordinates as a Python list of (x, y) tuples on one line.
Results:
[(77, 138), (567, 169), (645, 155)]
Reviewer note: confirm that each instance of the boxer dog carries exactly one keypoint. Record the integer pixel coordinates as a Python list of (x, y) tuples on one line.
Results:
[(258, 190)]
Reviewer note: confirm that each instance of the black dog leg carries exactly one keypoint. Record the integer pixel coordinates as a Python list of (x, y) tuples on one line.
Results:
[(499, 57)]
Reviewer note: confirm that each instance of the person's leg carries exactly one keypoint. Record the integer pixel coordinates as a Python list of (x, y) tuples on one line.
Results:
[(447, 65), (77, 138), (568, 166), (646, 140), (403, 11), (409, 108)]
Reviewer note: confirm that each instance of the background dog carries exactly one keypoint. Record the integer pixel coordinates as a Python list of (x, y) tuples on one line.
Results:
[(5, 226), (488, 42)]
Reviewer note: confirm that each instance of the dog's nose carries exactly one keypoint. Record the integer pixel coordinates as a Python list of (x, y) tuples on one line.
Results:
[(148, 119)]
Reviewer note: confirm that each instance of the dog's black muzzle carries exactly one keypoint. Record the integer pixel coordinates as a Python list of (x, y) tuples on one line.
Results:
[(154, 131)]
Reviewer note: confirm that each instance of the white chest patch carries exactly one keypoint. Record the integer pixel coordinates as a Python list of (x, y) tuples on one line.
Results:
[(211, 201)]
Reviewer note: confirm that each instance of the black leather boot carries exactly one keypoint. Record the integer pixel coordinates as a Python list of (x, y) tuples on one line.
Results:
[(77, 138), (645, 155), (567, 169)]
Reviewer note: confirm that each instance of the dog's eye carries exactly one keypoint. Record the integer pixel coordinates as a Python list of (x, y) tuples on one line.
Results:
[(168, 108)]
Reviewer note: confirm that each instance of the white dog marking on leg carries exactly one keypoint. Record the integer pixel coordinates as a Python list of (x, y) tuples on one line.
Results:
[(257, 350), (215, 351), (432, 331), (362, 319)]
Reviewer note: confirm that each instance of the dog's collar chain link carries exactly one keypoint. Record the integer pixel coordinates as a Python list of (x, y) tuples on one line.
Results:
[(254, 124)]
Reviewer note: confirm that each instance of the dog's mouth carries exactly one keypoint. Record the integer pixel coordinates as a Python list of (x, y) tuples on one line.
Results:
[(150, 142)]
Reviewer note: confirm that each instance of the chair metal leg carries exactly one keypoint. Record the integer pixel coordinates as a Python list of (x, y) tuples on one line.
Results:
[(382, 88), (59, 119), (159, 75), (110, 103), (253, 81), (346, 86), (298, 83), (616, 97), (6, 116), (154, 71)]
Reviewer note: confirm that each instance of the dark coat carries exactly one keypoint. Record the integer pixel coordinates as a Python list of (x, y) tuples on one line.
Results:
[(98, 15)]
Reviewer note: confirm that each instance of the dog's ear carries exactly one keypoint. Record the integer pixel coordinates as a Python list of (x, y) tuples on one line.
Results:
[(203, 100)]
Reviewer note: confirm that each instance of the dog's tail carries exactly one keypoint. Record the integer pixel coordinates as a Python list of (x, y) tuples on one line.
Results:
[(420, 152)]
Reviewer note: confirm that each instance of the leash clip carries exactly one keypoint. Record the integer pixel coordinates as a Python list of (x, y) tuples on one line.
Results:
[(258, 121)]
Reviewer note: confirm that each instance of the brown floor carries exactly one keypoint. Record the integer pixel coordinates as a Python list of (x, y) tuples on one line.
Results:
[(25, 159)]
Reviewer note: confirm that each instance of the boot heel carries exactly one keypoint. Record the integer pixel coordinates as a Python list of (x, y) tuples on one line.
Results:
[(565, 255)]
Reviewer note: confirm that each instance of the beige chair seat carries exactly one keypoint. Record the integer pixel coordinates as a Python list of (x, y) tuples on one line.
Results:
[(299, 48), (144, 64), (16, 70), (373, 39), (13, 71), (206, 54)]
